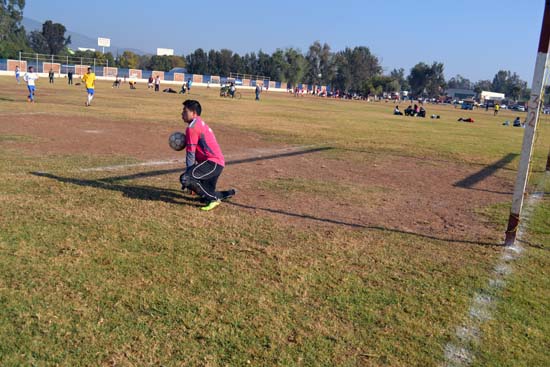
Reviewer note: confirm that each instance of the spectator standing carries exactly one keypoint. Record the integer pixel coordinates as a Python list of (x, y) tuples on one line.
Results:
[(70, 77), (17, 74), (258, 91), (157, 83)]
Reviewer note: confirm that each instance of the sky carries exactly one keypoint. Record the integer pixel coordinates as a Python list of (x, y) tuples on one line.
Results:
[(475, 39)]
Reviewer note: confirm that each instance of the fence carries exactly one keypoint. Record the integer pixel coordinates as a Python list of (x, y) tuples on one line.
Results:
[(79, 66)]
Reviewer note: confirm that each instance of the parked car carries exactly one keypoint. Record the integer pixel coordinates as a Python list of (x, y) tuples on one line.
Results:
[(518, 108), (467, 105)]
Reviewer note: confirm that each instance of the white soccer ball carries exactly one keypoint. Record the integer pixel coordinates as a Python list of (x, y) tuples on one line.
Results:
[(177, 141)]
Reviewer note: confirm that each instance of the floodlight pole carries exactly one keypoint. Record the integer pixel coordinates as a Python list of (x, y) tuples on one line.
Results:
[(533, 110)]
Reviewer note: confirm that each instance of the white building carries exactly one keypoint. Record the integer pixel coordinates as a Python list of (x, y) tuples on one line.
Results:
[(491, 96)]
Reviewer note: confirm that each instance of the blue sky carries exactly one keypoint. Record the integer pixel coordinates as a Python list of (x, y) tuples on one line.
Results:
[(472, 38)]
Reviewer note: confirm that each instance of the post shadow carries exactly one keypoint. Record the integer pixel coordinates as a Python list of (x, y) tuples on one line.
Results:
[(362, 226), (177, 197), (487, 171), (228, 163)]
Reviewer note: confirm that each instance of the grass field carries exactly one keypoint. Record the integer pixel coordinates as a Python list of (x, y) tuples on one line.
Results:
[(357, 238)]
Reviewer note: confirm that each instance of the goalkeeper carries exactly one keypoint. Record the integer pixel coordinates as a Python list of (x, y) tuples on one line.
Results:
[(204, 158)]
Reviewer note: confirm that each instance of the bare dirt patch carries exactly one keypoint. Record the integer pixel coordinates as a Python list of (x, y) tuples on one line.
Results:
[(75, 135), (403, 194)]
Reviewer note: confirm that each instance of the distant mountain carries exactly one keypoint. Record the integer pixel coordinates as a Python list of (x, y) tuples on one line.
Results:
[(80, 40)]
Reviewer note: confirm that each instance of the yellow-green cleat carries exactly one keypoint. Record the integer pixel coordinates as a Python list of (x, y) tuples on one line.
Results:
[(211, 205)]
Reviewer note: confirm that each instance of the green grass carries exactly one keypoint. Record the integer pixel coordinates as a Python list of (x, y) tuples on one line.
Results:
[(100, 272), (518, 334)]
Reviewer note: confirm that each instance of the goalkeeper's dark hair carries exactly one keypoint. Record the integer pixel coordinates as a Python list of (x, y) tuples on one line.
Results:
[(193, 105)]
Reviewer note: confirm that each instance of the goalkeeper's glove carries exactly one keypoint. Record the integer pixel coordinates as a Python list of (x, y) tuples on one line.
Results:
[(185, 179)]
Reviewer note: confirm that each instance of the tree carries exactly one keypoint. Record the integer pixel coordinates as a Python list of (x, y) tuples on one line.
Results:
[(237, 64), (398, 75), (279, 65), (418, 78), (343, 75), (327, 64), (460, 82), (313, 58), (165, 62), (364, 66), (427, 80), (297, 66), (515, 86), (12, 34), (509, 83), (250, 63), (197, 62), (213, 62), (379, 84), (354, 69), (128, 60), (263, 63), (320, 63), (51, 40), (144, 61), (436, 80), (500, 81), (483, 85)]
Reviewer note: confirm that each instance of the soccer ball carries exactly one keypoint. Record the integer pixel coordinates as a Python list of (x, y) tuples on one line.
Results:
[(177, 141)]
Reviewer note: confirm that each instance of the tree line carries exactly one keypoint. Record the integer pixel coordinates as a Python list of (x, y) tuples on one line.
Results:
[(352, 70)]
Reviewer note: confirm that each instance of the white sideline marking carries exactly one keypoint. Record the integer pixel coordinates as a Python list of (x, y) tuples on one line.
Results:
[(260, 153), (123, 166), (458, 354)]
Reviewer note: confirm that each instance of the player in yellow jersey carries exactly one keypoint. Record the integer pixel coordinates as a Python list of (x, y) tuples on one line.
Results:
[(89, 79)]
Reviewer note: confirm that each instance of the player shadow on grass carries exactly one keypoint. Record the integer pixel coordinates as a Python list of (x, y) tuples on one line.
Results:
[(132, 192)]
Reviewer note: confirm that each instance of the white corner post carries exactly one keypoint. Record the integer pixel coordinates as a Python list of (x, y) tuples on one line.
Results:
[(533, 111)]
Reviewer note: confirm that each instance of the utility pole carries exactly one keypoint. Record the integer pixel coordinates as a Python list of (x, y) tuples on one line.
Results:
[(533, 111)]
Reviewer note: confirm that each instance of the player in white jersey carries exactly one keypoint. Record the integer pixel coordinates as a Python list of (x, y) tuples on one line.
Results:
[(30, 77)]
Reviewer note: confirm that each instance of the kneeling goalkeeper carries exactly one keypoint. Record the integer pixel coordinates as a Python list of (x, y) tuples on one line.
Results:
[(204, 158)]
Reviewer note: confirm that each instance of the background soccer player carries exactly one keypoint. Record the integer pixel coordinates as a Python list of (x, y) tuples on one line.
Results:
[(30, 77), (89, 79)]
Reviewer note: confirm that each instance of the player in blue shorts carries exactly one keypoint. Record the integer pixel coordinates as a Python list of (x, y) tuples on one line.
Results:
[(89, 79), (30, 77), (17, 74)]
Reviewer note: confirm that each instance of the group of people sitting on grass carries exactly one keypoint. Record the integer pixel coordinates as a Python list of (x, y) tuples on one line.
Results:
[(411, 111)]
